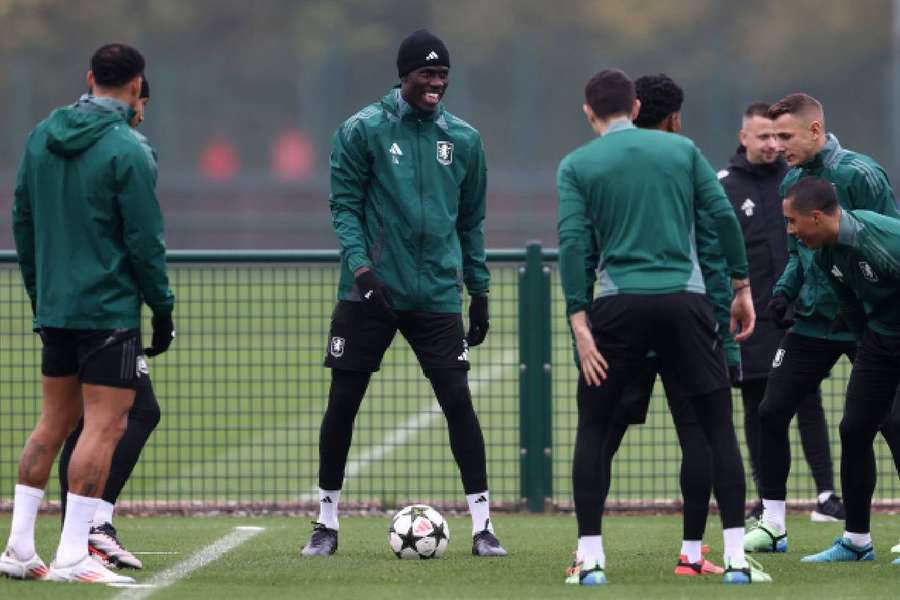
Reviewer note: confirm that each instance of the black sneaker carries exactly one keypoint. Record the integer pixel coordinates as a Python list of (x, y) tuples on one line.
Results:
[(485, 543), (829, 511), (755, 514), (323, 541)]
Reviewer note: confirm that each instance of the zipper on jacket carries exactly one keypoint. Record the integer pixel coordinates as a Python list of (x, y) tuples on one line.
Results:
[(422, 207)]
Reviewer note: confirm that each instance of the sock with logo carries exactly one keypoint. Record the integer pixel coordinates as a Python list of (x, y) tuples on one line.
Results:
[(25, 510), (451, 386), (336, 433), (691, 549), (104, 513), (860, 540), (734, 547), (773, 513), (590, 548), (328, 508), (73, 543), (480, 509)]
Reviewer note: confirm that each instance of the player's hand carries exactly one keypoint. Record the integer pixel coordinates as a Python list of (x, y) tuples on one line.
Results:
[(777, 310), (479, 321), (742, 314), (163, 334), (376, 299), (593, 365)]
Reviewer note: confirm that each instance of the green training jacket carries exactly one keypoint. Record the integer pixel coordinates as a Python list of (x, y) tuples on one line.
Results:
[(863, 268), (641, 191), (860, 183), (408, 201), (87, 225)]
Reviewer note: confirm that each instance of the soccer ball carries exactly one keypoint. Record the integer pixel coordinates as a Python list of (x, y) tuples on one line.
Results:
[(418, 532)]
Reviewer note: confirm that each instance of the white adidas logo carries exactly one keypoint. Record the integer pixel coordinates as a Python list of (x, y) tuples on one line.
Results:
[(396, 153), (432, 56)]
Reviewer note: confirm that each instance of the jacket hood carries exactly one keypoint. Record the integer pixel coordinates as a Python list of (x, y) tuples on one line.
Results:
[(73, 129), (739, 161)]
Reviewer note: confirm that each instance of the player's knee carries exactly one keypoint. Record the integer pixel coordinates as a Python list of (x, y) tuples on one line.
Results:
[(773, 418), (148, 416), (855, 428), (451, 386)]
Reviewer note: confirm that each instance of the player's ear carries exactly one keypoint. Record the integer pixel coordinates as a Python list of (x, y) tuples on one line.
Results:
[(635, 109), (90, 80), (589, 113)]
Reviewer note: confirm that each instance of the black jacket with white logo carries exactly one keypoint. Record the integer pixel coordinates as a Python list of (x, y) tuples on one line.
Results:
[(753, 192)]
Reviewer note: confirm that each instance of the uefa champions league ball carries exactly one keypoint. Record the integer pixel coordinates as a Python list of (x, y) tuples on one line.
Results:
[(418, 532)]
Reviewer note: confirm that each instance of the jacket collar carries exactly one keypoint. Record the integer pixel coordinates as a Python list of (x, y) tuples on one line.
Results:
[(827, 157), (403, 110), (91, 103), (848, 229), (619, 125), (739, 161)]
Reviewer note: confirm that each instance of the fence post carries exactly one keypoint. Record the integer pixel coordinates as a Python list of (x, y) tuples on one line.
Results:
[(535, 407)]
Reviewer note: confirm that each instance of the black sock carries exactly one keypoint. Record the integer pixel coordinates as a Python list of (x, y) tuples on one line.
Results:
[(336, 433), (451, 386)]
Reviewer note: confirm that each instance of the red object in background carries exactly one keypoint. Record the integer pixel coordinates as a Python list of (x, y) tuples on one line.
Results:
[(292, 156), (219, 160)]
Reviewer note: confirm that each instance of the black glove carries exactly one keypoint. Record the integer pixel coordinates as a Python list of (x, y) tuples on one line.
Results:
[(163, 334), (777, 309), (735, 374), (479, 321), (376, 299)]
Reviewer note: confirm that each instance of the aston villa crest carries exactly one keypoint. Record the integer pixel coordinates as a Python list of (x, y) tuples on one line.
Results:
[(445, 152)]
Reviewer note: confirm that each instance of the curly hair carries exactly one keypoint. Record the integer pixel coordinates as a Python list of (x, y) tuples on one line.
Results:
[(659, 96)]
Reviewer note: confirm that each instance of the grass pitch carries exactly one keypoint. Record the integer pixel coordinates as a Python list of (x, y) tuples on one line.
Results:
[(641, 554)]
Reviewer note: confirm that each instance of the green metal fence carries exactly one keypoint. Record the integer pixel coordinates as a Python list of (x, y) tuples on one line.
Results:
[(243, 389)]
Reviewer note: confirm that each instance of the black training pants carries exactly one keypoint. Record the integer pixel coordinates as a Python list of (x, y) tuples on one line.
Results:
[(871, 399)]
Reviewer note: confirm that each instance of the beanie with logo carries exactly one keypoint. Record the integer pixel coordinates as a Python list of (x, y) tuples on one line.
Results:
[(420, 49)]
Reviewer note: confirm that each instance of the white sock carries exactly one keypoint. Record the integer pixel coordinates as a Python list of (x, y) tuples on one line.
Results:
[(480, 509), (328, 508), (860, 540), (691, 550), (73, 544), (25, 510), (773, 513), (734, 547), (104, 513), (824, 496), (590, 548)]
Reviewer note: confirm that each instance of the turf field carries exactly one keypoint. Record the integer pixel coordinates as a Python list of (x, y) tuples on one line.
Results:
[(242, 393), (640, 551)]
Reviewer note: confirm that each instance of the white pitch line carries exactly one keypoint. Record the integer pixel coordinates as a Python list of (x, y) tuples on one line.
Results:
[(199, 560), (421, 420)]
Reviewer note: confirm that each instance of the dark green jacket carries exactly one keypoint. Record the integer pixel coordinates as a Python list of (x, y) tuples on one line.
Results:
[(88, 227), (408, 201), (863, 268), (641, 190), (860, 183)]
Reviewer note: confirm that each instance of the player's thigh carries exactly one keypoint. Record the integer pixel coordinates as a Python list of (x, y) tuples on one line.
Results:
[(438, 339), (637, 394), (106, 410), (357, 340), (798, 367), (61, 406), (111, 357), (685, 335), (873, 381)]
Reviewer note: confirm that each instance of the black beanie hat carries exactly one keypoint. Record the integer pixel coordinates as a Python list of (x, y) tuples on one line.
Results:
[(421, 48)]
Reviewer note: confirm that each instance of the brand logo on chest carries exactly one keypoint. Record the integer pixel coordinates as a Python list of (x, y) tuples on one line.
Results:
[(445, 152), (867, 271), (748, 207)]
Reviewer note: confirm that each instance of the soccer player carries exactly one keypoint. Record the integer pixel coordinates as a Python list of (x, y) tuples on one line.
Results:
[(859, 252), (661, 99), (817, 339), (641, 190), (103, 541), (89, 237), (751, 181), (407, 202)]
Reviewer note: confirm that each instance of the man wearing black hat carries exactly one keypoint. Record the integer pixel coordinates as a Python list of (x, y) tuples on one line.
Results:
[(407, 202)]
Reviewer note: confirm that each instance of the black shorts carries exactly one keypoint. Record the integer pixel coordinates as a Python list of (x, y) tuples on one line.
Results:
[(680, 328), (110, 357), (357, 341)]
